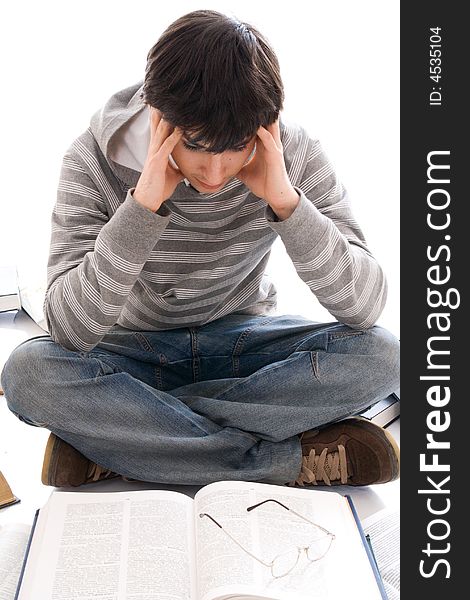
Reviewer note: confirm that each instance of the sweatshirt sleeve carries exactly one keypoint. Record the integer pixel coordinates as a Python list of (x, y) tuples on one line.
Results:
[(94, 259), (327, 247)]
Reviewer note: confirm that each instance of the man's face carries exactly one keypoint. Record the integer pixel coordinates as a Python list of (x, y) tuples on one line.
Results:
[(208, 172)]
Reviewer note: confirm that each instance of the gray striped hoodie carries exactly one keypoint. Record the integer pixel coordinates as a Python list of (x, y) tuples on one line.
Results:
[(201, 256)]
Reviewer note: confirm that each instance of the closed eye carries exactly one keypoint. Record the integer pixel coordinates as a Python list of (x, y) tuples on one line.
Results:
[(197, 148), (192, 147)]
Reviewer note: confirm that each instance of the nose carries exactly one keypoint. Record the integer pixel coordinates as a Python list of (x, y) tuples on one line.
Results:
[(214, 169)]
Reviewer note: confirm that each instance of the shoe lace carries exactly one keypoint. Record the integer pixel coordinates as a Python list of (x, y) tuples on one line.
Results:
[(97, 472), (326, 467)]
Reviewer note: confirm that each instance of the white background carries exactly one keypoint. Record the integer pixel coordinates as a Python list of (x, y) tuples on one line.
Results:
[(340, 65)]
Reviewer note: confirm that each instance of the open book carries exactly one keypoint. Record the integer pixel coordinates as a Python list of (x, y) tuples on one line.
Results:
[(383, 529), (149, 545)]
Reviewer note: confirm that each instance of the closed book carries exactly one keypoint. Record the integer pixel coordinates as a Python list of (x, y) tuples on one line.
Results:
[(9, 296), (7, 498), (385, 411)]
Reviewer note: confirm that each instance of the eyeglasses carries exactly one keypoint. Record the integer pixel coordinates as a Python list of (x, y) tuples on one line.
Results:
[(282, 564)]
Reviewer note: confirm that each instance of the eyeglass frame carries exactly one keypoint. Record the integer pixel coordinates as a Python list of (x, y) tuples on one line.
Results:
[(299, 549)]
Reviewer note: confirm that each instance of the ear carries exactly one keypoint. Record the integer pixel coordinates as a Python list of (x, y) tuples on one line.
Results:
[(172, 162), (251, 157)]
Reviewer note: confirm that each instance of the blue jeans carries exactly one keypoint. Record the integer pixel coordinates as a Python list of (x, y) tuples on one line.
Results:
[(226, 400)]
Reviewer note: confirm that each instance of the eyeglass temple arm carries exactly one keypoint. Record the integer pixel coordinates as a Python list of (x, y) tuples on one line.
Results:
[(250, 508), (235, 540)]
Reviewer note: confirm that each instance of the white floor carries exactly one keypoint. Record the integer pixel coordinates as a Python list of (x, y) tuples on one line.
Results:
[(22, 448)]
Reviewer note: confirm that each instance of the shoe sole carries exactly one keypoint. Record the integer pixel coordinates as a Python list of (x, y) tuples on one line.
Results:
[(48, 459)]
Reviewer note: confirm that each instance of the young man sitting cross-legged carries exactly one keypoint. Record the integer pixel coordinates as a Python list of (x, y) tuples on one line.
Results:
[(166, 361)]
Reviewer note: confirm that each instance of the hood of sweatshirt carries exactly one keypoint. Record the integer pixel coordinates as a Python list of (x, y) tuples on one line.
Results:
[(122, 130)]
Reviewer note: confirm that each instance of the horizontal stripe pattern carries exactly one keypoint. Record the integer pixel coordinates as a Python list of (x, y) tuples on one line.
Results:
[(206, 260)]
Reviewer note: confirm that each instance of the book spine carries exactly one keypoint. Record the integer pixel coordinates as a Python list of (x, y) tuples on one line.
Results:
[(368, 549), (26, 554)]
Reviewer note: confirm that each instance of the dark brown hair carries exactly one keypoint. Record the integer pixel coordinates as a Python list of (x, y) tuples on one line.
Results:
[(214, 77)]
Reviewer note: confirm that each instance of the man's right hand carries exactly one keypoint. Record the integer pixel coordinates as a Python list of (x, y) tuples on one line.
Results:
[(159, 178)]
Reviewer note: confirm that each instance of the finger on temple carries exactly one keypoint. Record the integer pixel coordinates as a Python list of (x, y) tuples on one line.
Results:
[(275, 131), (170, 142), (268, 141), (155, 118), (163, 131)]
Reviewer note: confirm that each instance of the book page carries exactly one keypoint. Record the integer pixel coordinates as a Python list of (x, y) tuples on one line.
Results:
[(113, 546), (160, 549), (219, 561), (384, 531), (13, 541), (225, 570)]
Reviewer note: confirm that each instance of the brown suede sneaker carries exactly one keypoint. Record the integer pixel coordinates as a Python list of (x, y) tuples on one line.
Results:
[(350, 452), (64, 465)]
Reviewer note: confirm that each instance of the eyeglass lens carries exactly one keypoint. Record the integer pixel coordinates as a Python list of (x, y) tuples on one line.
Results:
[(285, 562), (319, 547)]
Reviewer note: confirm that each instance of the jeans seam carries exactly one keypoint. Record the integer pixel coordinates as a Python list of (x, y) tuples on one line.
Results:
[(143, 341), (344, 334), (272, 368), (30, 421), (314, 363), (237, 349), (97, 358), (195, 354), (101, 368), (236, 366), (159, 377)]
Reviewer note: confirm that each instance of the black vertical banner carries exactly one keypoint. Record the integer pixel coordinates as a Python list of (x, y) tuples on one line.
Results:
[(435, 259)]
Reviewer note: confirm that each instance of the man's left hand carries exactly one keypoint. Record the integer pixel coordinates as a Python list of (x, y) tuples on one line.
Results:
[(266, 174)]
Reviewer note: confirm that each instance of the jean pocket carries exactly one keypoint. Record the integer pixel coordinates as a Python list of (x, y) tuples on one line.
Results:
[(344, 333), (143, 341), (314, 363), (176, 373)]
